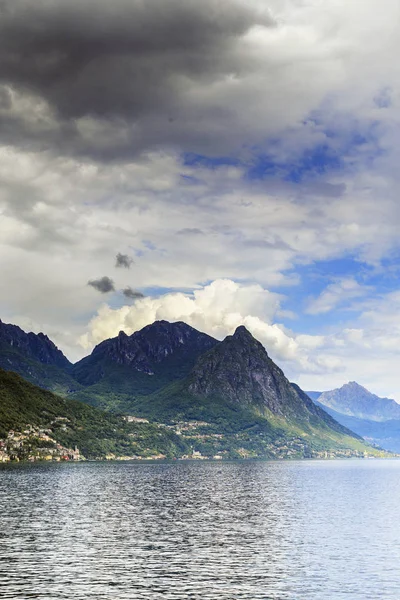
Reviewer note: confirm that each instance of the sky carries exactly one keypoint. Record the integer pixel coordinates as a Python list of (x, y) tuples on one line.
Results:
[(221, 162)]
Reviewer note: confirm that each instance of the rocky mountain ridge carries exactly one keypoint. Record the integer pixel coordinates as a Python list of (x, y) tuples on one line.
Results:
[(145, 351), (34, 346), (36, 358)]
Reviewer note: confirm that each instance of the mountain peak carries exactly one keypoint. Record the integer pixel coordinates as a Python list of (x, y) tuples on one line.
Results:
[(240, 371), (354, 400), (241, 331), (353, 384), (243, 335), (246, 340), (168, 327)]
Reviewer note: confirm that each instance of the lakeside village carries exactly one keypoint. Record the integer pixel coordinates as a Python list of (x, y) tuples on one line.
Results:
[(38, 444), (35, 444)]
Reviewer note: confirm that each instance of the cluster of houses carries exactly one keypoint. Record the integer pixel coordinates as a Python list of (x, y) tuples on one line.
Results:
[(34, 444)]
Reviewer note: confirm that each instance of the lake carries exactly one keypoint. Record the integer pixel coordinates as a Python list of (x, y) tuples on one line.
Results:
[(318, 530)]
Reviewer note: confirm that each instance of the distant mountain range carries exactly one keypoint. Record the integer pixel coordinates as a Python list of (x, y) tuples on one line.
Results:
[(355, 400), (375, 419), (226, 399)]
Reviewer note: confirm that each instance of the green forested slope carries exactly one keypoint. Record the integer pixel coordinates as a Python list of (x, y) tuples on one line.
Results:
[(95, 433)]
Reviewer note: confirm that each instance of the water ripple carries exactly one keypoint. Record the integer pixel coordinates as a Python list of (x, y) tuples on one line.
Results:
[(200, 531)]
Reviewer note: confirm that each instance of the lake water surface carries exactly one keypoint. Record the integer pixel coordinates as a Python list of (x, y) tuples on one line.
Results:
[(315, 530)]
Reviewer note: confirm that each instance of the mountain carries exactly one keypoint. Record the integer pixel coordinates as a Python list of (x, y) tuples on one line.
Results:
[(243, 401), (240, 371), (375, 419), (142, 363), (200, 397), (37, 423), (354, 400), (36, 358), (37, 347)]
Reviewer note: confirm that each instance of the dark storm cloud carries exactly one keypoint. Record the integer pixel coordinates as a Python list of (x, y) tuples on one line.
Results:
[(118, 76), (103, 285), (123, 260), (128, 292)]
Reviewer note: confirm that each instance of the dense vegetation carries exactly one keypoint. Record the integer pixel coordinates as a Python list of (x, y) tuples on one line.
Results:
[(95, 433), (50, 377), (244, 426)]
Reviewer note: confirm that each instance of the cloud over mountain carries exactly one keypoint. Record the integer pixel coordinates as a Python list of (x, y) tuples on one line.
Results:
[(217, 309)]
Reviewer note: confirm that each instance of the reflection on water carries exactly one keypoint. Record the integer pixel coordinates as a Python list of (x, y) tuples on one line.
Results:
[(209, 531)]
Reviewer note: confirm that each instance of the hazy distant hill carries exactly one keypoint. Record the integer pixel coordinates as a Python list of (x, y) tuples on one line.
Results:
[(376, 419), (354, 400), (314, 395), (385, 434)]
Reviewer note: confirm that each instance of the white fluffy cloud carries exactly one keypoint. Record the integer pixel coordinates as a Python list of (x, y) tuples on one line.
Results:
[(216, 309)]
